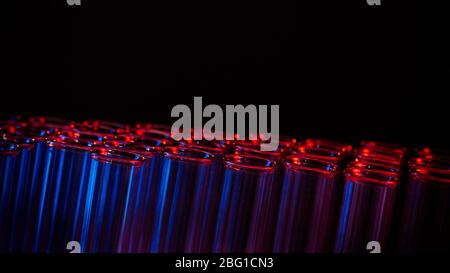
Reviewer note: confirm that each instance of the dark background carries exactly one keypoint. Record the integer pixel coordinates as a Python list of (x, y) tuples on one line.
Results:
[(338, 69)]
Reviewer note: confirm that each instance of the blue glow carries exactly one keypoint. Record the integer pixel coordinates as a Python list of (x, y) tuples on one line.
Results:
[(344, 217), (160, 206), (42, 199), (88, 205)]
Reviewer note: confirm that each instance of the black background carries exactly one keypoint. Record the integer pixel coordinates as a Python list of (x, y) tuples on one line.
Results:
[(338, 69), (282, 262)]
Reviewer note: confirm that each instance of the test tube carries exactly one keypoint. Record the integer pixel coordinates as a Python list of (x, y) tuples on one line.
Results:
[(203, 216), (183, 169), (112, 174), (34, 156), (248, 205), (9, 161), (138, 220), (307, 218), (367, 210), (425, 225), (66, 176), (103, 126), (327, 144)]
